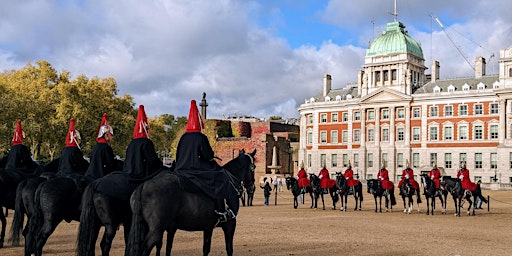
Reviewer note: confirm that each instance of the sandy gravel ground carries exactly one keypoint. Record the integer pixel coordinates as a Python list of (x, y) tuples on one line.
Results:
[(281, 230)]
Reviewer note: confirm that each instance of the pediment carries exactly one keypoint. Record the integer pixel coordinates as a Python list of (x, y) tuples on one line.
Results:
[(385, 95)]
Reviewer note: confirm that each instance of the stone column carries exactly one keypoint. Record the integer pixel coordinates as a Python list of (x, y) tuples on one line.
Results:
[(503, 121)]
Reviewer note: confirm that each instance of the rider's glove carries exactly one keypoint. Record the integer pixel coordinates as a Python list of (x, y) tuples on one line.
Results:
[(461, 177), (320, 176), (407, 176), (432, 176)]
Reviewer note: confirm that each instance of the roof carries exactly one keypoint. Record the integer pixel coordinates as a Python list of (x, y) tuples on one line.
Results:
[(394, 40), (458, 84)]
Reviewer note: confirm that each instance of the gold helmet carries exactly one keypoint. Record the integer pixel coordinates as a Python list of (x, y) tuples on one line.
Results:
[(349, 166), (434, 165), (407, 166), (463, 165), (383, 166), (302, 165)]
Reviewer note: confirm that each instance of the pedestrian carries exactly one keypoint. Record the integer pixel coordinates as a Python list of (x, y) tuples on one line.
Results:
[(478, 201), (267, 189)]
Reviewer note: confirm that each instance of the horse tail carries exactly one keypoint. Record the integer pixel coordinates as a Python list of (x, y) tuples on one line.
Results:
[(86, 238), (19, 215), (360, 189), (139, 228)]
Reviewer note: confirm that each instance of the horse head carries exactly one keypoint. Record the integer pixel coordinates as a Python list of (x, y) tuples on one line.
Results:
[(242, 168), (290, 182)]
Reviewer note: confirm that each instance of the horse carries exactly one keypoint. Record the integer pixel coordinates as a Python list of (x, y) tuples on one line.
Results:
[(407, 191), (375, 188), (24, 204), (161, 204), (431, 192), (55, 200), (247, 195), (344, 191), (454, 186), (318, 191), (292, 184)]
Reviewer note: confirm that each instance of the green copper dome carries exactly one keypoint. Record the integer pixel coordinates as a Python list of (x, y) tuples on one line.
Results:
[(394, 40)]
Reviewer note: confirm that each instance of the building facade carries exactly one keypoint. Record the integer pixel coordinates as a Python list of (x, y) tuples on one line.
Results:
[(397, 114)]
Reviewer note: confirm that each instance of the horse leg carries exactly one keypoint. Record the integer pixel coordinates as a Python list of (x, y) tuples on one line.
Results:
[(44, 233), (207, 241), (380, 203), (170, 239), (154, 238), (229, 233), (4, 223), (323, 202), (405, 206)]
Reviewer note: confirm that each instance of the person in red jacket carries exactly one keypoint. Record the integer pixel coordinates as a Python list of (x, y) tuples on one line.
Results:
[(435, 175), (349, 177), (383, 176), (325, 181), (302, 178), (463, 175), (408, 173)]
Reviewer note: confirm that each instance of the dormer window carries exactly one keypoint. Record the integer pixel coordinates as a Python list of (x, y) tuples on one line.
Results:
[(312, 100), (349, 96), (338, 98), (437, 89), (480, 86), (327, 98), (496, 85), (466, 87), (451, 88)]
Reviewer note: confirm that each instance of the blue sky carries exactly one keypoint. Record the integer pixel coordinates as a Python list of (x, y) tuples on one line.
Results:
[(259, 58)]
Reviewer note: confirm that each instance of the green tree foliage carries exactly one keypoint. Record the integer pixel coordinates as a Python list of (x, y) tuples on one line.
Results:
[(44, 100)]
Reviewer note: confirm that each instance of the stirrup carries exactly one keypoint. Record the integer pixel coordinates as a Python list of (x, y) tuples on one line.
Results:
[(225, 216)]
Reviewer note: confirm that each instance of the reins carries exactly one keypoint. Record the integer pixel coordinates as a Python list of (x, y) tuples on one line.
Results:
[(235, 182)]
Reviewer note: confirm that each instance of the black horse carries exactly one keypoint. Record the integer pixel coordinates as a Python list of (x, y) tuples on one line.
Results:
[(344, 190), (375, 188), (454, 186), (431, 192), (407, 192), (318, 192), (24, 205), (292, 184), (247, 195), (161, 204), (55, 200)]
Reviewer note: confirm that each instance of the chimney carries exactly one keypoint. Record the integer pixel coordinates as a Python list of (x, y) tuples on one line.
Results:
[(435, 71), (327, 84), (479, 67)]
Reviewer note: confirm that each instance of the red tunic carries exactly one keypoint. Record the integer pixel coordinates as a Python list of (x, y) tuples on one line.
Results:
[(303, 178), (435, 175), (409, 173), (463, 175), (384, 179), (325, 180), (349, 176)]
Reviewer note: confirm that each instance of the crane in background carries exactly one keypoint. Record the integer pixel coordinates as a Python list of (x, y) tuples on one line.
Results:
[(447, 33)]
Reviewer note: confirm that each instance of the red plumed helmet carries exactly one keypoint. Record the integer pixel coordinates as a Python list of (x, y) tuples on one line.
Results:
[(73, 137), (141, 129), (104, 129), (19, 136), (194, 123)]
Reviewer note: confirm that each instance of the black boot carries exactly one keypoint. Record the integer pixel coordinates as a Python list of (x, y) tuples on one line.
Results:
[(223, 212), (418, 195)]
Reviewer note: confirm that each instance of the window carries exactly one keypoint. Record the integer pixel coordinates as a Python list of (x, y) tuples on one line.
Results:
[(448, 110), (309, 160), (463, 157), (463, 132), (433, 158), (479, 132), (478, 160), (416, 133), (386, 75), (334, 137), (448, 160), (357, 135), (416, 113), (494, 108), (463, 110), (393, 74), (494, 161), (384, 157), (433, 133), (334, 117), (385, 114), (357, 116), (479, 109), (399, 160), (377, 76), (370, 160), (345, 160), (416, 160), (400, 134), (448, 133), (400, 114), (309, 138), (371, 115), (323, 118), (334, 160), (309, 119), (510, 160), (323, 160), (433, 111), (344, 136), (345, 117), (371, 135), (494, 131), (356, 160), (323, 137), (385, 134)]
